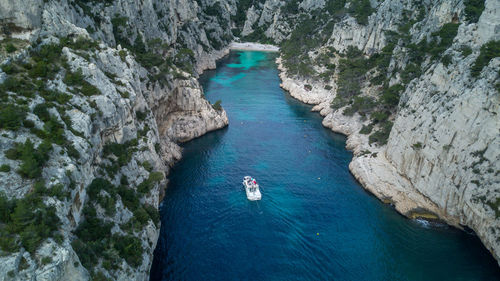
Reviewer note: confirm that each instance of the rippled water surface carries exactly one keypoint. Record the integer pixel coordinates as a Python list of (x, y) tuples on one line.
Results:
[(314, 222)]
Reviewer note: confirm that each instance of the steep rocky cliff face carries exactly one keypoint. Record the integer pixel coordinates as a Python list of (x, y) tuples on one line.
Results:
[(95, 97), (415, 87)]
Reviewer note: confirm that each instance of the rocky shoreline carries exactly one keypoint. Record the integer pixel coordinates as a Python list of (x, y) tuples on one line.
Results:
[(369, 165), (373, 170)]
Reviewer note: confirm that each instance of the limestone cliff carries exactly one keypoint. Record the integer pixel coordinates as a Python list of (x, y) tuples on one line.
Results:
[(105, 91), (424, 124)]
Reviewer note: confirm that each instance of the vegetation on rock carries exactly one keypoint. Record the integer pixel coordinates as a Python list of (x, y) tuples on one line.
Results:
[(473, 10), (489, 51)]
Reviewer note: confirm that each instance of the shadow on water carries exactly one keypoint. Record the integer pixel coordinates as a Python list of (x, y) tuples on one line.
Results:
[(314, 222)]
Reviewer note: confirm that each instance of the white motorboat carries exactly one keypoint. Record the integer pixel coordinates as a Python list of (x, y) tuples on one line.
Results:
[(251, 188)]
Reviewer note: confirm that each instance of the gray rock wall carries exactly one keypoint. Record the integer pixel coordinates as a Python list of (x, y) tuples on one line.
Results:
[(442, 157), (174, 110)]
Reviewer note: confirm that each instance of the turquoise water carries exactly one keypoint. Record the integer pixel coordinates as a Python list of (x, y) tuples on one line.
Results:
[(314, 222)]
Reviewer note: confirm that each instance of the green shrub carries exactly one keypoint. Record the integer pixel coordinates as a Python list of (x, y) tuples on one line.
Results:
[(184, 59), (92, 229), (10, 48), (85, 253), (46, 260), (473, 10), (338, 102), (54, 131), (334, 6), (89, 90), (39, 70), (365, 130), (41, 110), (76, 79), (390, 96), (146, 185), (154, 214), (32, 159), (494, 204), (28, 123), (442, 39), (361, 10), (108, 203), (99, 276), (123, 55), (217, 105), (291, 7), (8, 242), (129, 198), (147, 165), (417, 145), (59, 192), (98, 184), (27, 218), (10, 68), (380, 136), (130, 249), (379, 117), (466, 50), (411, 72), (72, 151), (49, 53), (446, 60), (241, 12), (80, 43), (361, 105), (11, 117), (294, 51), (148, 59), (124, 94), (23, 264), (489, 51), (141, 115), (122, 151), (5, 168), (73, 78), (141, 216), (56, 96), (352, 72), (13, 153)]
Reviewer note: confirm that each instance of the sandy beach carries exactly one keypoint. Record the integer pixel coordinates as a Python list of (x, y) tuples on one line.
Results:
[(250, 46)]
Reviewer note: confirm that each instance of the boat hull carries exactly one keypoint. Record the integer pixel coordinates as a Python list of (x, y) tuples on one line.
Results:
[(252, 195)]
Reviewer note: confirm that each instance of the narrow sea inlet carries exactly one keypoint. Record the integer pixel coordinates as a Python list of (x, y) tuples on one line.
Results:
[(314, 222)]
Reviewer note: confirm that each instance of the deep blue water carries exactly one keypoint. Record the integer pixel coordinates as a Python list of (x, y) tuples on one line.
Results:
[(314, 222)]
